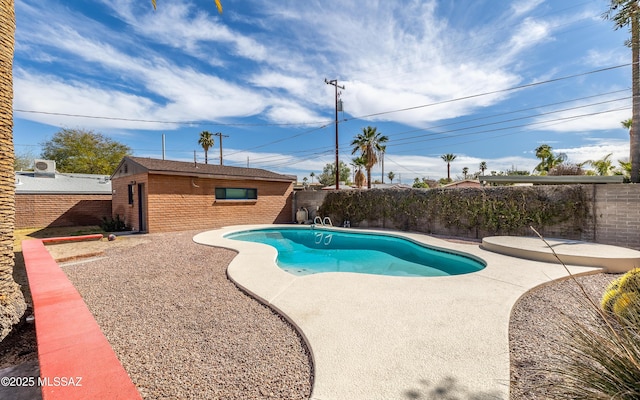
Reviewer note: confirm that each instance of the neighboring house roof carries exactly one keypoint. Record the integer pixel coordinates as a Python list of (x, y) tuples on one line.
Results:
[(29, 183), (463, 183), (551, 180), (390, 186), (181, 168)]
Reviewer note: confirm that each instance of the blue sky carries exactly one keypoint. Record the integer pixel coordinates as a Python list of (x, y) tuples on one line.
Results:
[(486, 80)]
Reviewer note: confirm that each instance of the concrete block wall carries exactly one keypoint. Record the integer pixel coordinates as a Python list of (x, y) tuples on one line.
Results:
[(617, 210), (614, 209), (309, 199), (56, 210)]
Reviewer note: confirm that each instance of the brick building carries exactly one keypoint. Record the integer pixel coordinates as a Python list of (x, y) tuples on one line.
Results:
[(154, 195), (46, 198)]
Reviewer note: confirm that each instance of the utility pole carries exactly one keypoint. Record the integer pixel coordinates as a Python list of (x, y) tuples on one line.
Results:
[(220, 136), (334, 82), (383, 166)]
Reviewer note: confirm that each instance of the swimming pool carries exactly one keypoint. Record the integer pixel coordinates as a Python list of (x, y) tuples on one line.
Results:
[(304, 251)]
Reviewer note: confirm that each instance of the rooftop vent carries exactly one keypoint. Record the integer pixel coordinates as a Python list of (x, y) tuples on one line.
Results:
[(44, 168)]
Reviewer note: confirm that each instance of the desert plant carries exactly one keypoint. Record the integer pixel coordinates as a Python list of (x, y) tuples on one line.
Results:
[(600, 360), (622, 296)]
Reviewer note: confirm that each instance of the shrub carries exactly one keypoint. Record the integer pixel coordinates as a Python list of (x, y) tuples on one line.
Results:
[(495, 210), (114, 224)]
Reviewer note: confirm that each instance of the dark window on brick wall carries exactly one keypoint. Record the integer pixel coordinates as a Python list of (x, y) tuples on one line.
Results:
[(236, 194), (130, 192)]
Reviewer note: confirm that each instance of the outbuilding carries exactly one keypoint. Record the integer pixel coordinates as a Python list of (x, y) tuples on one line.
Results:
[(47, 198), (153, 195)]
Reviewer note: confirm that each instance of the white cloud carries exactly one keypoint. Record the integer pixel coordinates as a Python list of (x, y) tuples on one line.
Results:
[(51, 94), (589, 117), (598, 150), (599, 59), (524, 6)]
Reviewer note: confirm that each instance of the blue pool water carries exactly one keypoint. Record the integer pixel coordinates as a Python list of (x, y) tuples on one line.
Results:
[(310, 251)]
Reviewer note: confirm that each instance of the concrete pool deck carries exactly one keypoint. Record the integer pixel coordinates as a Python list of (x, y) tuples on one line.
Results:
[(387, 337)]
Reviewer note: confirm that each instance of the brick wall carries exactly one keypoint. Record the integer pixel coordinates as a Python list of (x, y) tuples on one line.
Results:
[(617, 209), (120, 201), (41, 210), (175, 203)]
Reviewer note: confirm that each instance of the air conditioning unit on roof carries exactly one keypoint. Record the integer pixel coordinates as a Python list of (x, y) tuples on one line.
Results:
[(44, 168)]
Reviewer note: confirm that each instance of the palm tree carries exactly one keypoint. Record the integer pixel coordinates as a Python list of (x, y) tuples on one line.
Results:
[(206, 141), (543, 152), (548, 160), (370, 144), (12, 306), (312, 175), (625, 13), (483, 167), (604, 166), (465, 171), (448, 158), (359, 178), (625, 168), (628, 124), (391, 176)]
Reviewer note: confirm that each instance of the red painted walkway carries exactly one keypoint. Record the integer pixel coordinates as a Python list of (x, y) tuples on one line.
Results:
[(76, 360)]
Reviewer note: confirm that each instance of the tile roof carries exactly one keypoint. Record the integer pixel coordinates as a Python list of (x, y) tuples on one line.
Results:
[(219, 171)]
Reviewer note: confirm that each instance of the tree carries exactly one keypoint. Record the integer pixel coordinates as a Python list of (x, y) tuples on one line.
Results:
[(312, 175), (391, 176), (206, 141), (625, 168), (566, 169), (370, 144), (483, 167), (627, 13), (548, 160), (604, 166), (85, 152), (421, 184), (328, 176), (465, 172), (359, 179), (12, 304), (23, 161), (448, 158)]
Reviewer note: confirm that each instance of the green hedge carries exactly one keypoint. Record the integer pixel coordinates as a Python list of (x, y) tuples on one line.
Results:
[(490, 210)]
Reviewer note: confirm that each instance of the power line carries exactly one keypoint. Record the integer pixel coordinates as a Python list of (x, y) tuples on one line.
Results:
[(395, 142), (473, 96), (327, 122), (199, 123), (558, 120), (513, 119)]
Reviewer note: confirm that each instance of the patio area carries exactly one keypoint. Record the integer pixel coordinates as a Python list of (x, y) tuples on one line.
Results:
[(381, 337)]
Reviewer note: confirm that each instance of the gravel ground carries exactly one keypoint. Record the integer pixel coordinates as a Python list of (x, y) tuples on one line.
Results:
[(182, 330), (538, 323)]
